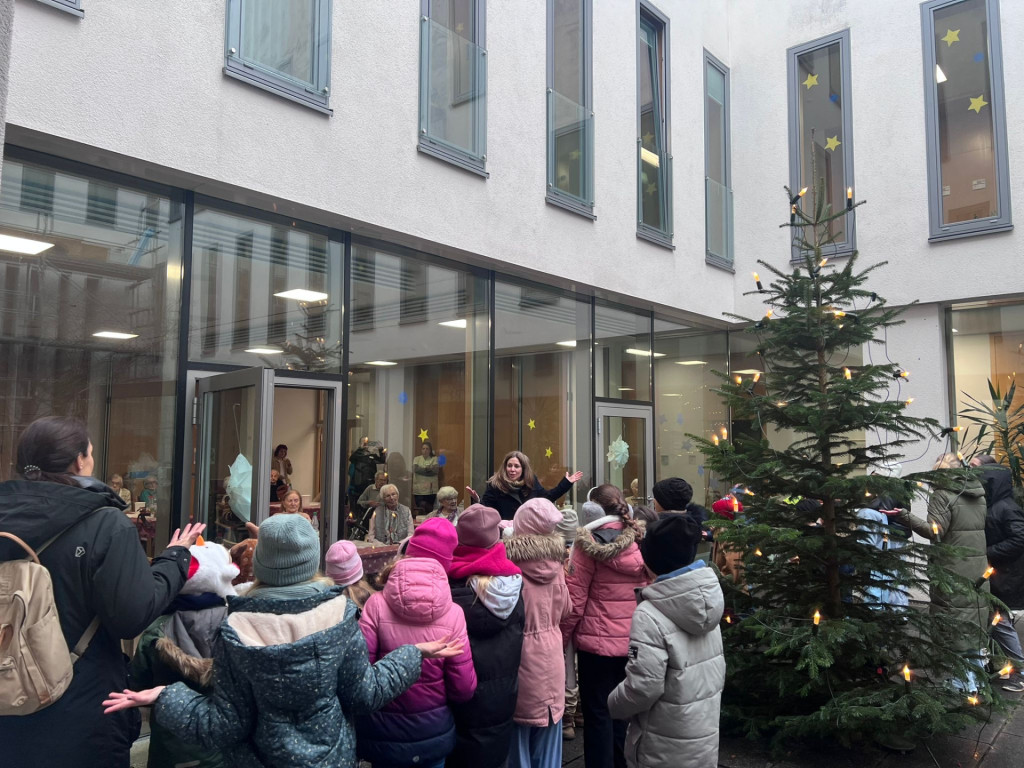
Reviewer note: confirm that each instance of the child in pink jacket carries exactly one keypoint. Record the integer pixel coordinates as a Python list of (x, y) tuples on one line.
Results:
[(417, 728), (539, 551)]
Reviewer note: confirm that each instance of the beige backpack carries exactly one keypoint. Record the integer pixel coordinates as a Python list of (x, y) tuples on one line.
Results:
[(35, 664)]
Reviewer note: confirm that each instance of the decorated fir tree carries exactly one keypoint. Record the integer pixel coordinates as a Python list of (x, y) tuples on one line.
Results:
[(814, 644)]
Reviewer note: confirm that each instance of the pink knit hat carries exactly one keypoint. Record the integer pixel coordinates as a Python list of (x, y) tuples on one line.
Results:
[(434, 538), (538, 516), (344, 566), (478, 526)]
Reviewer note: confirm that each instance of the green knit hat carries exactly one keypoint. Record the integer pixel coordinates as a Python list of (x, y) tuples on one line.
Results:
[(287, 551)]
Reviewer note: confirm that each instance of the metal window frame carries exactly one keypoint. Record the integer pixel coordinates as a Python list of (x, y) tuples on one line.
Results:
[(710, 60), (441, 150), (645, 9), (842, 37), (73, 7), (937, 231), (317, 98), (554, 195)]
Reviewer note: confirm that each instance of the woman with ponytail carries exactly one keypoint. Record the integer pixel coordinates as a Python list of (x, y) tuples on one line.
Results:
[(605, 569)]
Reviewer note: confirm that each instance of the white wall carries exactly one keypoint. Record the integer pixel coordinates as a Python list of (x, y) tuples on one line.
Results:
[(295, 426)]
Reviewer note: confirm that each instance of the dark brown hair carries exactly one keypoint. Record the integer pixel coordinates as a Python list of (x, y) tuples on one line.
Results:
[(50, 445), (612, 502), (501, 481)]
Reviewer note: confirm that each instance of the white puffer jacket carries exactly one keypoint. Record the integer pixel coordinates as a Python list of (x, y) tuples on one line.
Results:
[(676, 670)]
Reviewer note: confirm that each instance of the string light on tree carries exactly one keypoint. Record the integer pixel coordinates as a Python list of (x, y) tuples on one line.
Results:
[(984, 577)]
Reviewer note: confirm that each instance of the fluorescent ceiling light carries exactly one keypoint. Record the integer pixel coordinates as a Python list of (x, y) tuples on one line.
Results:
[(954, 330), (626, 389), (690, 362), (940, 76), (569, 343), (748, 371), (460, 323), (670, 394), (116, 335), (380, 362), (301, 294), (649, 157), (643, 353), (23, 245), (265, 351)]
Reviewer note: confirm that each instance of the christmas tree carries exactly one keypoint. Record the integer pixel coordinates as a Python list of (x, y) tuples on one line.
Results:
[(818, 641)]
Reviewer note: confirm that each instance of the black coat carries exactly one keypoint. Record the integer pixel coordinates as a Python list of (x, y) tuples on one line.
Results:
[(508, 503), (99, 569), (1004, 537), (483, 725)]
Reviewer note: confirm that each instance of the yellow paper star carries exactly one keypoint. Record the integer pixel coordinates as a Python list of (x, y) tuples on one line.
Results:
[(531, 424), (952, 36), (547, 452), (978, 103), (424, 435), (832, 143), (811, 81)]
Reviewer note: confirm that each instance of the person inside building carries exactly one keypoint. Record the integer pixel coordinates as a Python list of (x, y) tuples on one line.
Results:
[(448, 505), (425, 471), (514, 483), (148, 495), (117, 485), (362, 466), (370, 497), (282, 463), (104, 590), (278, 487), (391, 521)]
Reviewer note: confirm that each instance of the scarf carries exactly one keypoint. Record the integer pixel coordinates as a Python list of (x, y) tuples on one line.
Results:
[(289, 591), (479, 561)]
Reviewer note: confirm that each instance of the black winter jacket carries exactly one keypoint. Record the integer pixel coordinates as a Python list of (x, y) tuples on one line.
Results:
[(99, 569), (483, 725), (508, 503), (1004, 537)]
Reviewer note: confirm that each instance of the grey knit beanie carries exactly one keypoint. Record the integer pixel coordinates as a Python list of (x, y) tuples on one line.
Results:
[(592, 511), (570, 522), (287, 551)]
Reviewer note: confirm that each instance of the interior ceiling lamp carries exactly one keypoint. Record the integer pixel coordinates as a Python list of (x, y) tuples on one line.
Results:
[(302, 294), (23, 245), (264, 351), (120, 335), (460, 323)]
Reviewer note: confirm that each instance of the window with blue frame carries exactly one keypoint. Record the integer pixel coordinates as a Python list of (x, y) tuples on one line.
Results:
[(654, 161), (282, 46), (453, 83)]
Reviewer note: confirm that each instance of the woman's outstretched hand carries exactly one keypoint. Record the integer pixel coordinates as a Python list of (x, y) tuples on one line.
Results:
[(444, 648), (186, 538), (473, 495), (128, 699), (575, 477)]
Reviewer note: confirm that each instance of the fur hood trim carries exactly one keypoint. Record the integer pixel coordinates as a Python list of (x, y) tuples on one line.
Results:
[(605, 553), (195, 670), (534, 546)]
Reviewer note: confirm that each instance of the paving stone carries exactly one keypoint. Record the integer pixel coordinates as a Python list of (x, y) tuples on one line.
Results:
[(1007, 752)]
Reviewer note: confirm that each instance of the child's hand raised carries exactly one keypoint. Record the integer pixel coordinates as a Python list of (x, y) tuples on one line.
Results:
[(441, 649)]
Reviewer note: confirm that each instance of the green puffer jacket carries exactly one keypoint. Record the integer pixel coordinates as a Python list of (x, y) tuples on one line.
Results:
[(289, 676)]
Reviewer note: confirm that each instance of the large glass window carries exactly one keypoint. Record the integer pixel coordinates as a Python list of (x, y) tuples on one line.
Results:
[(283, 46), (264, 292), (453, 82), (89, 309), (654, 161), (685, 403), (988, 345), (718, 195), (570, 114), (542, 393), (622, 353), (418, 383), (968, 177), (821, 128)]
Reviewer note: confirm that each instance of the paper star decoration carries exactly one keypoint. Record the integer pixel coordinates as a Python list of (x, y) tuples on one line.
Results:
[(811, 81), (424, 435), (547, 452), (531, 424), (978, 103), (832, 143), (952, 36)]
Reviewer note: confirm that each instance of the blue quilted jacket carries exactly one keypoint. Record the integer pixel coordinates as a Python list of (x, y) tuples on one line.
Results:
[(289, 676)]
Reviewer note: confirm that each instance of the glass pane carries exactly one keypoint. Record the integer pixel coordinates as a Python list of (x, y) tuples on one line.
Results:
[(652, 159), (686, 405), (91, 263), (819, 86), (281, 36), (454, 79), (568, 47), (624, 440), (966, 133), (719, 219), (714, 133), (418, 378), (542, 380), (229, 438), (264, 294), (570, 130), (622, 354)]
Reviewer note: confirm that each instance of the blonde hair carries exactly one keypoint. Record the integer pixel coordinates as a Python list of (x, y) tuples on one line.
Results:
[(385, 572), (947, 461), (480, 585), (360, 592)]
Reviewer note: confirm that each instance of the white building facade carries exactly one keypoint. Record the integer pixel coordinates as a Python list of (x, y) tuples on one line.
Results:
[(511, 225)]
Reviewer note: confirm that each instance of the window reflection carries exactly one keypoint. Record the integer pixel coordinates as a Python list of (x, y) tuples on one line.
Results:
[(622, 353)]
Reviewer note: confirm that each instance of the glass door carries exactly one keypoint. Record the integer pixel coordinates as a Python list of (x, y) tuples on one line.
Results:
[(234, 422), (625, 447)]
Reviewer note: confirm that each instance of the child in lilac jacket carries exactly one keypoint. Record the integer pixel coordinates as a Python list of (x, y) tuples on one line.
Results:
[(417, 728)]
